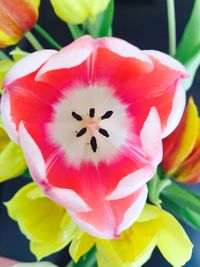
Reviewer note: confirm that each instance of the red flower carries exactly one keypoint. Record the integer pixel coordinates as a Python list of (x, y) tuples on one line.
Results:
[(90, 119)]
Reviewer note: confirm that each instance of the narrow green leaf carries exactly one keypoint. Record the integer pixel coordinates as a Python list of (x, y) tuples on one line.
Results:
[(88, 260), (103, 24), (182, 203), (188, 51)]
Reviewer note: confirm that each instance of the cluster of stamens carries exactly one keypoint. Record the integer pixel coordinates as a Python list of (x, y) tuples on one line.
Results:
[(88, 122)]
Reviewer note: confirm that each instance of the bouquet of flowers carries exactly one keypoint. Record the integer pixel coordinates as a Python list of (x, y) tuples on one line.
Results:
[(104, 135)]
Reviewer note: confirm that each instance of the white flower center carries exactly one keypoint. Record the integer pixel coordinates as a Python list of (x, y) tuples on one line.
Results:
[(90, 124)]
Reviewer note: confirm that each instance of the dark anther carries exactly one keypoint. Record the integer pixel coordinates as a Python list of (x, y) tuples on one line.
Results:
[(92, 112), (81, 132), (107, 115), (93, 143), (76, 116), (104, 132)]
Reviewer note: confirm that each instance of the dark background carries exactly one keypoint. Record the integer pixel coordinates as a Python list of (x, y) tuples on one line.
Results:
[(144, 24)]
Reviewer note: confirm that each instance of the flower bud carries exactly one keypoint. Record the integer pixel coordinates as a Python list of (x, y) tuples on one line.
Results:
[(16, 17), (77, 12), (182, 148)]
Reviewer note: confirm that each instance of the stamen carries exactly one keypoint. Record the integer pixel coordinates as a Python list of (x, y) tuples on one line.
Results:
[(93, 143), (104, 132), (92, 112), (107, 115), (81, 132), (76, 116)]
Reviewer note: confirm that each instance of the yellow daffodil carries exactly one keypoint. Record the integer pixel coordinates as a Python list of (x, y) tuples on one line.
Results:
[(182, 148), (78, 11), (49, 228), (16, 17), (12, 162)]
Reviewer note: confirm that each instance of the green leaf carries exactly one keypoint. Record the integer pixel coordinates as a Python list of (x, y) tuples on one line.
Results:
[(182, 203), (103, 24), (188, 51), (88, 260)]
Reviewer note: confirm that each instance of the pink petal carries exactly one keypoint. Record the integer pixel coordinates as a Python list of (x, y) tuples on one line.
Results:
[(143, 91), (178, 106), (71, 55), (151, 135), (7, 118), (152, 145), (168, 61), (123, 48), (31, 101), (27, 65), (5, 262), (33, 155), (108, 220)]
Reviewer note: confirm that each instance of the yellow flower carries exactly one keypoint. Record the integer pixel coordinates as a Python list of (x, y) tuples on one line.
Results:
[(78, 11), (49, 228), (12, 162), (182, 148), (16, 17)]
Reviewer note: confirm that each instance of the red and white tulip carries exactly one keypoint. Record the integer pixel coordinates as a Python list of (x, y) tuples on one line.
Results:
[(90, 120)]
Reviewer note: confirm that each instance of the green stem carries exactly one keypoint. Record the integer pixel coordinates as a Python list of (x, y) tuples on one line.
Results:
[(33, 41), (75, 31), (47, 37), (171, 26), (3, 55)]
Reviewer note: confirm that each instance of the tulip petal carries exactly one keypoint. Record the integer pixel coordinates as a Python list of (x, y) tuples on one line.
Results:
[(168, 61), (28, 65), (86, 48), (48, 227), (152, 145), (6, 117), (116, 215), (175, 152)]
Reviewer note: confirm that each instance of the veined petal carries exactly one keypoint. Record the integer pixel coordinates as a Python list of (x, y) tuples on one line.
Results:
[(48, 226), (86, 48), (180, 143), (28, 65), (115, 216)]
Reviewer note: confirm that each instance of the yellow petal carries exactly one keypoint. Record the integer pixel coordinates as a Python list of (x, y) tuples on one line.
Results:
[(135, 245), (80, 245), (172, 240), (178, 145), (12, 162), (47, 225), (76, 12)]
